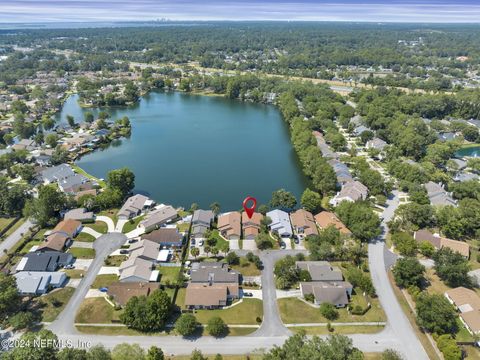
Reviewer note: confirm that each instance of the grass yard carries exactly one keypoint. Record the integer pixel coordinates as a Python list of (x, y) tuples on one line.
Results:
[(96, 310), (222, 245), (169, 274), (111, 213), (183, 227), (341, 329), (244, 313), (4, 222), (132, 224), (81, 253), (85, 237), (293, 310), (115, 331), (104, 280), (98, 226), (115, 260), (180, 299), (74, 274), (246, 268), (80, 171), (14, 227), (28, 246), (54, 302)]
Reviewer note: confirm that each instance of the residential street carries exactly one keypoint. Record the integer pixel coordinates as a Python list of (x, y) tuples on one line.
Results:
[(104, 245), (14, 237)]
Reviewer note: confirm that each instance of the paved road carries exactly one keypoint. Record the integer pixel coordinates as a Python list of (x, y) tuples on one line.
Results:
[(398, 326), (15, 237), (104, 245)]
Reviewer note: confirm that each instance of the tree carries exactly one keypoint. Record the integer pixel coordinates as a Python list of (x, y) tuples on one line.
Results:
[(59, 156), (449, 348), (51, 140), (283, 199), (426, 249), (194, 207), (362, 221), (263, 241), (30, 351), (21, 320), (12, 198), (216, 326), (391, 354), (186, 324), (126, 351), (452, 267), (263, 209), (197, 355), (328, 311), (72, 354), (404, 243), (71, 120), (122, 180), (311, 200), (232, 259), (9, 298), (408, 272), (147, 313), (46, 208), (98, 352), (88, 116), (215, 207), (436, 314), (195, 252), (155, 353)]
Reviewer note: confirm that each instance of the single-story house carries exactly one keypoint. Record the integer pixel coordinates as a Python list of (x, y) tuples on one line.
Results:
[(351, 191), (201, 222), (320, 270), (158, 217), (145, 249), (376, 143), (439, 242), (325, 219), (44, 261), (214, 272), (229, 225), (67, 184), (56, 173), (80, 214), (134, 206), (165, 237), (280, 223), (61, 236), (251, 226), (121, 292), (341, 171), (467, 303), (137, 270), (438, 195), (335, 293), (206, 296), (465, 176), (303, 222), (37, 283)]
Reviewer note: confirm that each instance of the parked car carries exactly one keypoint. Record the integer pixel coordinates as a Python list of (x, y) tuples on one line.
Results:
[(131, 241), (124, 252), (200, 243), (247, 294), (69, 266), (192, 242), (283, 245), (296, 241)]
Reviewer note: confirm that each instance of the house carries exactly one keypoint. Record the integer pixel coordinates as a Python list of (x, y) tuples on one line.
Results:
[(37, 283), (137, 270), (83, 192), (229, 225), (341, 171), (158, 217), (360, 129), (280, 223), (80, 214), (201, 222), (320, 270), (211, 285), (303, 222), (145, 249), (323, 146), (44, 261), (56, 173), (122, 292), (170, 237), (457, 164), (134, 206), (335, 293), (439, 242), (467, 303), (251, 226), (325, 219), (67, 184), (465, 176), (438, 195), (24, 144), (61, 236), (351, 191), (446, 136), (376, 144)]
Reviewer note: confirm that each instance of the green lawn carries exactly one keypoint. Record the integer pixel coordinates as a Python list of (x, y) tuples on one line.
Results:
[(104, 280), (28, 246), (183, 227), (74, 273), (246, 268), (81, 253), (4, 222), (14, 227), (115, 260), (347, 329), (169, 274), (462, 334), (132, 224), (96, 310), (293, 310), (85, 237), (53, 303), (244, 313), (80, 171), (98, 226), (222, 244), (111, 213)]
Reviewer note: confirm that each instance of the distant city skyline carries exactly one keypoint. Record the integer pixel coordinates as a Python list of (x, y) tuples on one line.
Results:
[(434, 11)]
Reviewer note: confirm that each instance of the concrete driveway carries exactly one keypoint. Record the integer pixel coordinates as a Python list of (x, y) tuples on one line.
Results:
[(104, 245), (234, 244), (108, 221), (249, 245), (90, 231)]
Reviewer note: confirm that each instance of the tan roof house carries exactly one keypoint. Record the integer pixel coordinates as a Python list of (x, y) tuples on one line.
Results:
[(158, 217), (122, 292), (325, 219), (205, 296), (251, 227), (439, 242), (303, 222), (61, 236), (229, 225), (468, 304)]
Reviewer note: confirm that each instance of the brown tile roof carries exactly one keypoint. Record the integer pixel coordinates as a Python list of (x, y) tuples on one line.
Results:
[(325, 218), (206, 295), (304, 219), (164, 236), (67, 227), (56, 241), (439, 242), (122, 292), (230, 223), (425, 235)]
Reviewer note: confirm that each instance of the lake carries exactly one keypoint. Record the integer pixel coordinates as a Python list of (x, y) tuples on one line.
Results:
[(470, 151), (190, 148)]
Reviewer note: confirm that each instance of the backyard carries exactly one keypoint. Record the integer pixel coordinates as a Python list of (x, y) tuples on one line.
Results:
[(82, 253), (132, 224)]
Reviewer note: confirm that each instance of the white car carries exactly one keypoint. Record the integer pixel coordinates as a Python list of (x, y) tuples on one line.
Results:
[(200, 242)]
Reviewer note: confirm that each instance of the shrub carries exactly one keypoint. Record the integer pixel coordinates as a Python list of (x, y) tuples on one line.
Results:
[(328, 311), (216, 327), (310, 297)]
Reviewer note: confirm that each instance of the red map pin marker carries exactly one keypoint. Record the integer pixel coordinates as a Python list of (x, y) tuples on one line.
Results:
[(249, 210)]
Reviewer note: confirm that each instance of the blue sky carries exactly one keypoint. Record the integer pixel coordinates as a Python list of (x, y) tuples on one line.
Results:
[(320, 10)]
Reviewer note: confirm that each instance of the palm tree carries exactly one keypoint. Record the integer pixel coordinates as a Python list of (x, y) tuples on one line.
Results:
[(215, 207), (215, 251), (207, 249), (195, 252)]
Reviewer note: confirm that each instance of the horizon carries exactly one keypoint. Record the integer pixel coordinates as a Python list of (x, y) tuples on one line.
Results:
[(18, 12)]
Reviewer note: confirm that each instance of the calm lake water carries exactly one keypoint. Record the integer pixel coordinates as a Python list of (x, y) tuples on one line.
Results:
[(473, 151), (188, 148)]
